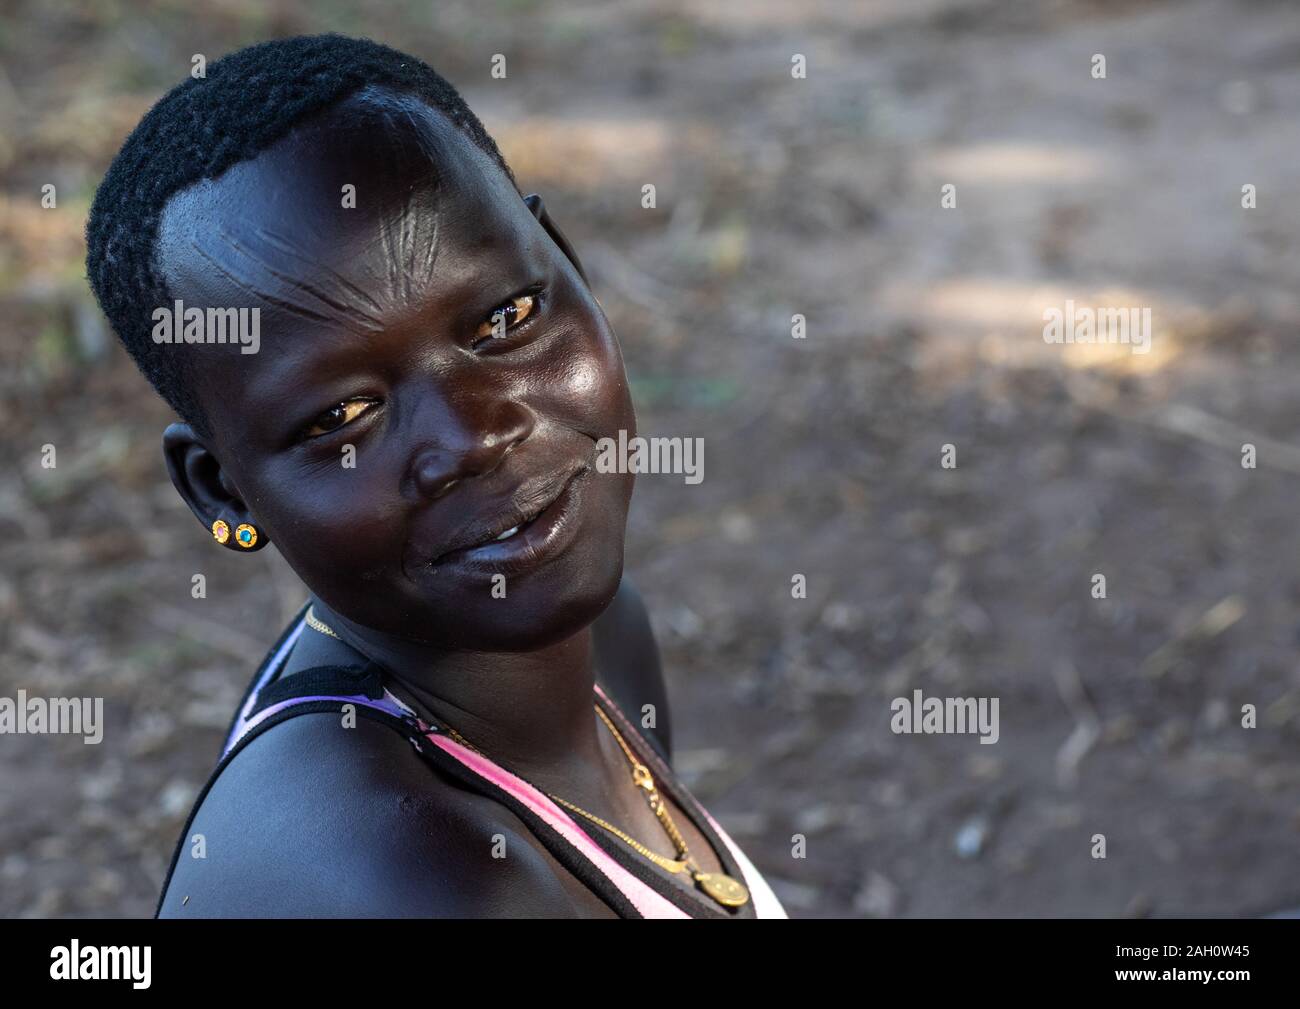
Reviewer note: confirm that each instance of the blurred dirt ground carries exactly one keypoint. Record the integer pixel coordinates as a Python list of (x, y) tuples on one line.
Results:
[(776, 196)]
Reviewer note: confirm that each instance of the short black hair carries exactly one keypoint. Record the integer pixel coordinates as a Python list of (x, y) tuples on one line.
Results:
[(248, 100)]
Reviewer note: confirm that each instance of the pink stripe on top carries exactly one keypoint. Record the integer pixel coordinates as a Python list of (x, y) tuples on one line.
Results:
[(643, 898)]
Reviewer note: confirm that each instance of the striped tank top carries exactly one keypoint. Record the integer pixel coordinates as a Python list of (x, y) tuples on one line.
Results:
[(618, 876)]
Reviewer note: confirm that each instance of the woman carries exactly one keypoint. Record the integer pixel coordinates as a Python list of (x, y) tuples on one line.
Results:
[(388, 362)]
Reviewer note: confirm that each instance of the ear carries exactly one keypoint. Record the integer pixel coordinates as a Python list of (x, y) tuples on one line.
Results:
[(205, 486), (538, 208)]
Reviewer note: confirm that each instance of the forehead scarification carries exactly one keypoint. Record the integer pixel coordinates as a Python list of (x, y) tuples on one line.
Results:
[(337, 224)]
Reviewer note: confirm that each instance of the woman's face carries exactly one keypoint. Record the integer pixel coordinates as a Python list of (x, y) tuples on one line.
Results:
[(383, 437)]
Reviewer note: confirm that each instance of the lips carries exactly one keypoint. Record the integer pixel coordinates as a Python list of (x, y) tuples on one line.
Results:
[(511, 524)]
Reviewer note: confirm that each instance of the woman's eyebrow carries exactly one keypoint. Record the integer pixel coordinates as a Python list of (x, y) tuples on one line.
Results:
[(309, 361)]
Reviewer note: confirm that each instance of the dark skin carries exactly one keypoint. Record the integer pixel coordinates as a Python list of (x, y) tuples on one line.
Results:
[(372, 337)]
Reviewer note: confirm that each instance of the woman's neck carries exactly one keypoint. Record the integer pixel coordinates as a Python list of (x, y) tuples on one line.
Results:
[(532, 711)]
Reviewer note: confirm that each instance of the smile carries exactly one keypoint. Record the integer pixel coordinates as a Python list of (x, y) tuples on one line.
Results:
[(537, 536)]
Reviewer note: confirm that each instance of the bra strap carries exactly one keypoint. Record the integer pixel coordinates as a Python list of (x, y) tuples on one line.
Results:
[(363, 687)]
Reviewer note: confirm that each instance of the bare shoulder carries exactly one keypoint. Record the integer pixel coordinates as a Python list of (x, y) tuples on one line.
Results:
[(312, 819), (628, 665)]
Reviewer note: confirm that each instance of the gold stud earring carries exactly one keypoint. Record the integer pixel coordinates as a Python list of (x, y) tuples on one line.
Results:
[(246, 536), (220, 531)]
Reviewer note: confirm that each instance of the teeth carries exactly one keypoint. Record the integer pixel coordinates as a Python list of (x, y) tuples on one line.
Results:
[(507, 534)]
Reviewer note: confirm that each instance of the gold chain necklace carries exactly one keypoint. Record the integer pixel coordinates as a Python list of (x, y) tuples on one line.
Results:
[(722, 888), (315, 624)]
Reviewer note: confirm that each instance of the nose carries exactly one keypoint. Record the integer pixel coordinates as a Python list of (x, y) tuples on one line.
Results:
[(466, 450)]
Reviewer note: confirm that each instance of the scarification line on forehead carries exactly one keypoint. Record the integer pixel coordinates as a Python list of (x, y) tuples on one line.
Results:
[(407, 255), (355, 291), (334, 309)]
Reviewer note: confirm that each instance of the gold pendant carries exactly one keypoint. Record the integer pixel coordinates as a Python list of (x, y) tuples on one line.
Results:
[(722, 888)]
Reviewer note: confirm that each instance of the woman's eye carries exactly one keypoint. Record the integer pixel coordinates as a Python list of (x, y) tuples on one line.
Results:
[(336, 416), (508, 316)]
